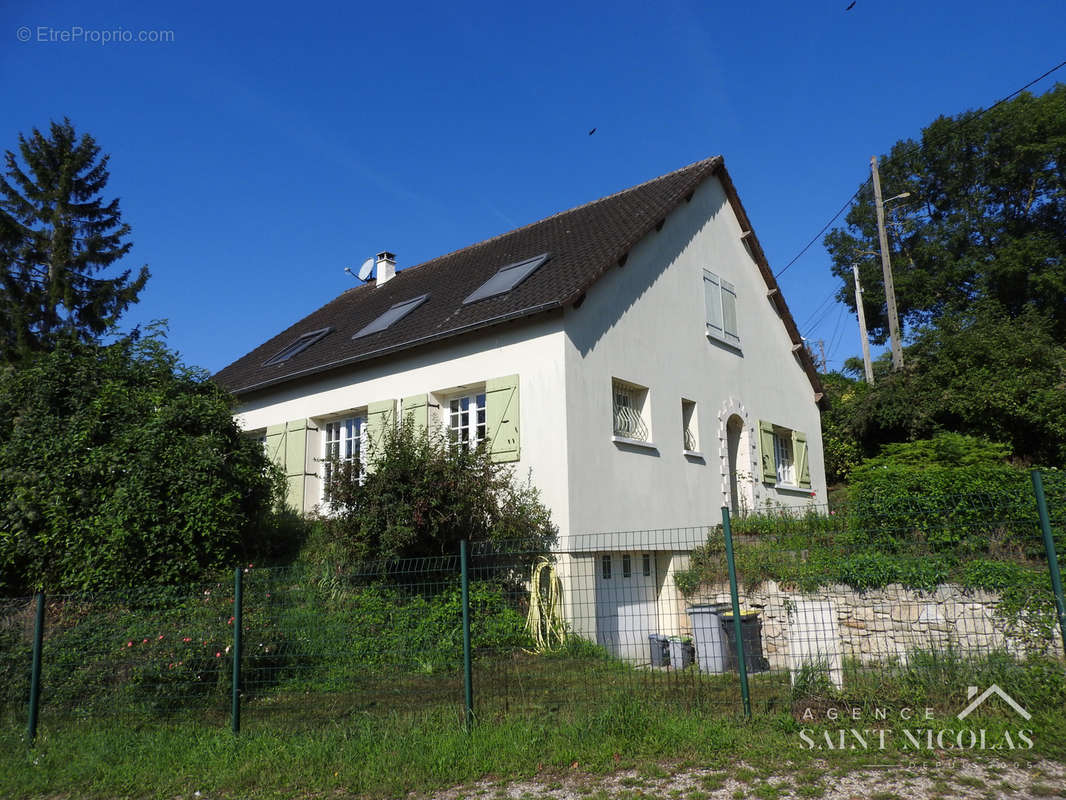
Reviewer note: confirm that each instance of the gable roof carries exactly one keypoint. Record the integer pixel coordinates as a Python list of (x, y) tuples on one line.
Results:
[(583, 243)]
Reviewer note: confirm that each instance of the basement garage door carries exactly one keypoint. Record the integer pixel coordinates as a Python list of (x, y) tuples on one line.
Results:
[(625, 603)]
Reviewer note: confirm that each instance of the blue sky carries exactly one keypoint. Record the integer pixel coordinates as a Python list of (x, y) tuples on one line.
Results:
[(268, 146)]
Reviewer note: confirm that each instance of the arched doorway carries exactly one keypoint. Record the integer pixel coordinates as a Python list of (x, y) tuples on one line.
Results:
[(735, 438)]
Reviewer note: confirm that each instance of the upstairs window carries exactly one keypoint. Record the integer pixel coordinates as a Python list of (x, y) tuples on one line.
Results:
[(466, 420), (393, 315), (298, 346), (506, 278), (720, 300), (630, 419)]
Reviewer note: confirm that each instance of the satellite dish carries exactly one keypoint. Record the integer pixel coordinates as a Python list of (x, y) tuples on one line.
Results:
[(366, 269)]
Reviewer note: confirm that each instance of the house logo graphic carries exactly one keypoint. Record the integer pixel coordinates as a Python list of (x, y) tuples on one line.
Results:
[(978, 700)]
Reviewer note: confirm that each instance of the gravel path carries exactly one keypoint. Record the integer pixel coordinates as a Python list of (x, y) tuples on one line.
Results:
[(948, 779)]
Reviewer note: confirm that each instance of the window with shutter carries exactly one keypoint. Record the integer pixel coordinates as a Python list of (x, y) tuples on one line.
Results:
[(783, 456), (720, 302)]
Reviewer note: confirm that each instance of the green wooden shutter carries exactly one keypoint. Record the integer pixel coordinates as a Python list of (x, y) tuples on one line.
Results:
[(416, 412), (766, 452), (379, 416), (502, 418), (275, 444), (799, 451), (287, 447), (296, 461)]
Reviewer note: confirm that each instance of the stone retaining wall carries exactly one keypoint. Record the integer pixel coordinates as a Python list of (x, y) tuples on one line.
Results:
[(879, 625)]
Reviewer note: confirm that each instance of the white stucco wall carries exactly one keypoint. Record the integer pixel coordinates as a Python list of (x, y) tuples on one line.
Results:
[(644, 322), (533, 350)]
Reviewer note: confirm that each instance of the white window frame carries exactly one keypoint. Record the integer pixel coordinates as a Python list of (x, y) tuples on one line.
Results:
[(630, 420), (338, 434), (475, 430), (720, 309), (785, 458)]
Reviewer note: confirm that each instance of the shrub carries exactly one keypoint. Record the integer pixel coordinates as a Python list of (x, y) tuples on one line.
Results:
[(423, 496), (958, 510), (119, 466)]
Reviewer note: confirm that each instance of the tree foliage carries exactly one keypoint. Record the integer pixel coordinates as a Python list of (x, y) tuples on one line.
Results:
[(843, 452), (120, 466), (421, 496), (986, 219), (983, 374), (56, 234)]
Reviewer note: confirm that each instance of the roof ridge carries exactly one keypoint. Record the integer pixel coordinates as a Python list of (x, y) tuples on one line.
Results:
[(701, 162)]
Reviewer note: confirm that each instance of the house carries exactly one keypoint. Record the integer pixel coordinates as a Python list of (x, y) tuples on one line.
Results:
[(634, 355)]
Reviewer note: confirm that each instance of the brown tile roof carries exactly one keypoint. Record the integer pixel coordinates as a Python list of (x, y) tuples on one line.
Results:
[(583, 242)]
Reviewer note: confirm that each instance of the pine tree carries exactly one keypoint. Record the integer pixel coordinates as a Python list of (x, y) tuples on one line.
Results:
[(56, 234)]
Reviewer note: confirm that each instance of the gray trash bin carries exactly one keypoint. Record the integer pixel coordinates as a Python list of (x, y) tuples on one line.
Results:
[(681, 652), (660, 650), (707, 632)]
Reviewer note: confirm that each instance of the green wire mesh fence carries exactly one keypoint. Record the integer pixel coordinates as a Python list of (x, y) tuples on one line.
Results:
[(912, 602)]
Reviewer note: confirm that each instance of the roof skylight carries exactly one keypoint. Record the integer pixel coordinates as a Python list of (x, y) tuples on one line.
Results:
[(394, 314), (298, 346), (507, 278)]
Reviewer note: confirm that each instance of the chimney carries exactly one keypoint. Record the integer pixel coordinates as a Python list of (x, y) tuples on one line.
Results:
[(386, 268)]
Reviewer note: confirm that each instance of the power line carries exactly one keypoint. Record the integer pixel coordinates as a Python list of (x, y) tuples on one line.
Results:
[(806, 323), (916, 147)]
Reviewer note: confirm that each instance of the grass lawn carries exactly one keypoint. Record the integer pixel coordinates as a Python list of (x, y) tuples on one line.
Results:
[(552, 719)]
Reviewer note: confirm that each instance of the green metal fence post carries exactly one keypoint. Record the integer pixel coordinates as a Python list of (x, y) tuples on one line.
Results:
[(238, 607), (1049, 547), (468, 678), (737, 626), (35, 675)]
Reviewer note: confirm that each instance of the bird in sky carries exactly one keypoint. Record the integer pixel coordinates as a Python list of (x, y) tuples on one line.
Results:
[(853, 2), (592, 132)]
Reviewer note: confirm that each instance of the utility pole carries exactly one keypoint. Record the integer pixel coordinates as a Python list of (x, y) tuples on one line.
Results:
[(862, 327), (886, 265)]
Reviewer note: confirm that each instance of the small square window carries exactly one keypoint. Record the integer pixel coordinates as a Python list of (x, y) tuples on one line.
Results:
[(630, 410), (689, 426), (627, 566), (605, 564)]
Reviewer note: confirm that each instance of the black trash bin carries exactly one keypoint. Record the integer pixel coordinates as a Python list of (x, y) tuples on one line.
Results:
[(660, 650), (751, 635)]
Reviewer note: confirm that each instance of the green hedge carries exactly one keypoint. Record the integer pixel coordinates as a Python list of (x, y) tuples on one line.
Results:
[(967, 510)]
